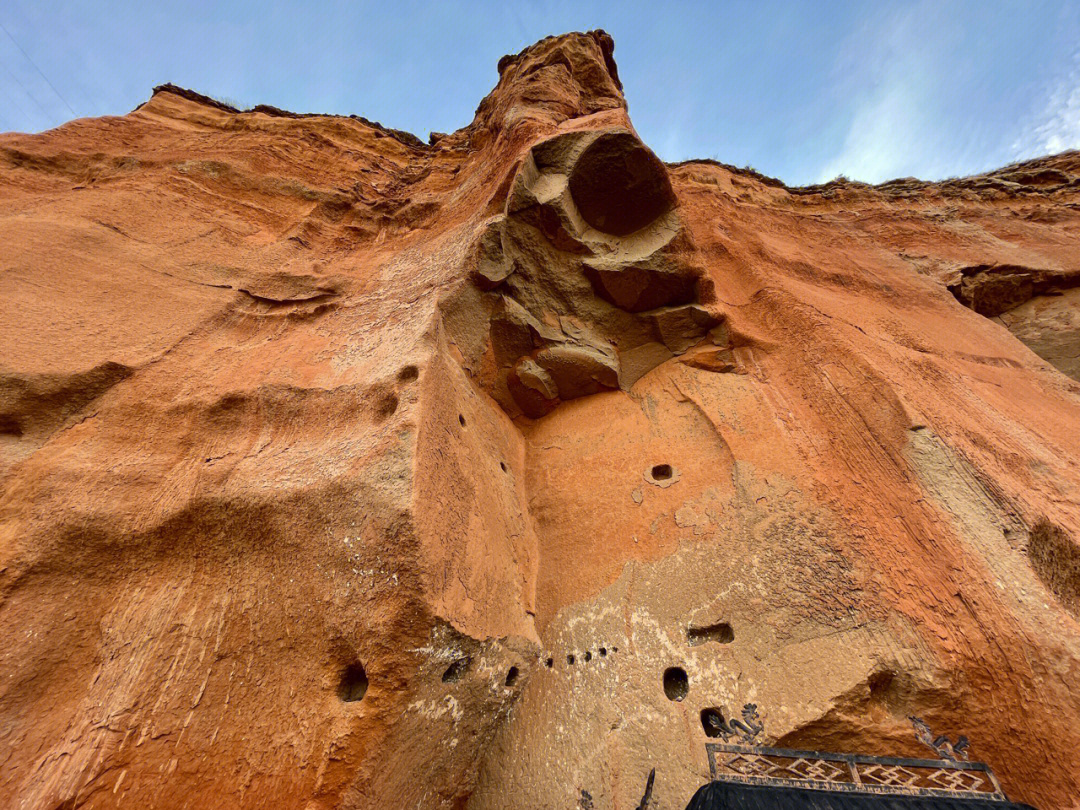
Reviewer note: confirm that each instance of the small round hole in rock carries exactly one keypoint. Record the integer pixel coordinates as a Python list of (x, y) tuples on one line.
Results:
[(570, 660), (502, 466), (549, 663), (461, 420), (588, 656), (458, 667), (512, 676), (661, 472), (386, 406), (676, 684), (712, 720), (603, 651), (354, 683)]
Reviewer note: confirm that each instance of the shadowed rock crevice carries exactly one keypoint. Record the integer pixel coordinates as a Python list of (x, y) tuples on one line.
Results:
[(720, 633), (456, 670), (1041, 307), (354, 683), (994, 289), (676, 684), (1055, 556)]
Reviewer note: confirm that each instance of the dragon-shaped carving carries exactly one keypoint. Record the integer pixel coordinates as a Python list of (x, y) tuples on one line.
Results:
[(941, 744), (748, 728)]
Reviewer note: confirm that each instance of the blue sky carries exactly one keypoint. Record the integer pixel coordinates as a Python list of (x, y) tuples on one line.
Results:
[(802, 91)]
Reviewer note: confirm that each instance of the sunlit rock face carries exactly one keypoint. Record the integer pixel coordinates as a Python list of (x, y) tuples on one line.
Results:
[(344, 470)]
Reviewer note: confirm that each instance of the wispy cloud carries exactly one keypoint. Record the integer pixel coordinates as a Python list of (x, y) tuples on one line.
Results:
[(1057, 126), (886, 134), (890, 72)]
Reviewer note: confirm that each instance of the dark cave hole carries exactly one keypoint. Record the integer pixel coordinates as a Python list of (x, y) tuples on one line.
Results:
[(588, 656), (502, 466), (458, 667), (512, 676), (619, 186), (603, 651), (387, 405), (461, 419), (711, 721), (549, 663), (570, 660), (721, 633), (879, 683), (354, 683), (676, 684), (408, 374), (1055, 558), (661, 472)]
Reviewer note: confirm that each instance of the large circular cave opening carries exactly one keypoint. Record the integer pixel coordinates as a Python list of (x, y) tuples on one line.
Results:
[(619, 186)]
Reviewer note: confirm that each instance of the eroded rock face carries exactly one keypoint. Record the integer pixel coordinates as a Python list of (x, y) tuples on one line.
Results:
[(1041, 307), (344, 470), (574, 309)]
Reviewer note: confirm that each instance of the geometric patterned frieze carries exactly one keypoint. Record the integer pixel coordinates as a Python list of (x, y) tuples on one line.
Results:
[(862, 774)]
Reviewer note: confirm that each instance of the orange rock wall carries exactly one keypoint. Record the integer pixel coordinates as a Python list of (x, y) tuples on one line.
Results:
[(333, 463)]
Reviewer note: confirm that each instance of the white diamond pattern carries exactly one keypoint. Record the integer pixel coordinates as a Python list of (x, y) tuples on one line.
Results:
[(891, 775), (951, 779), (753, 765), (806, 767), (816, 769)]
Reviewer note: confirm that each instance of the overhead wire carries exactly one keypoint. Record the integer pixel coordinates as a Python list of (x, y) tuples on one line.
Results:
[(40, 72), (25, 89), (11, 97)]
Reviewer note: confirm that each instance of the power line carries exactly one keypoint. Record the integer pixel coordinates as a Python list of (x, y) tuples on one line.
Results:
[(29, 118), (25, 89), (46, 78)]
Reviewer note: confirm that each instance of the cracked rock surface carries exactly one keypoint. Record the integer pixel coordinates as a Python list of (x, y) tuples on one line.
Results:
[(343, 470)]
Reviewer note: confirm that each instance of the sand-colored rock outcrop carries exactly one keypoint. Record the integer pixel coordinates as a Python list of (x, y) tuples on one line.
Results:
[(341, 469)]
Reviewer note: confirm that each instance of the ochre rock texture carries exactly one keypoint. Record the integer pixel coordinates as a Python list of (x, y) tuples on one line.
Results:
[(341, 470)]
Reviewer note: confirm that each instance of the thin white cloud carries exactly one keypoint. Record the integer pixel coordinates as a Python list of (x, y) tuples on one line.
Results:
[(889, 68), (1057, 127), (885, 137)]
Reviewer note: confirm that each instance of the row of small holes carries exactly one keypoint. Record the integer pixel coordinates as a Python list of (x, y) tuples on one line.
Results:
[(571, 659), (354, 681)]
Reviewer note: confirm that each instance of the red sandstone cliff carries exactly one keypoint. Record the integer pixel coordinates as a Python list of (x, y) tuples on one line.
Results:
[(342, 470)]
